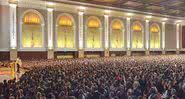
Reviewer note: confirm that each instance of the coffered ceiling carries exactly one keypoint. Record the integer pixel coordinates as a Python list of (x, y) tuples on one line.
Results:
[(165, 7)]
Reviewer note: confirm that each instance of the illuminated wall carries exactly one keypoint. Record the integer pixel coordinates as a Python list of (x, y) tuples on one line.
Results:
[(32, 30), (155, 36), (117, 34), (65, 32), (93, 33), (137, 35)]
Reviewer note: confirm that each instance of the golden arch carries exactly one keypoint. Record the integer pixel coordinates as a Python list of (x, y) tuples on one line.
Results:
[(65, 20), (93, 22), (137, 35), (31, 18), (154, 36), (65, 31), (117, 34), (93, 32), (32, 30)]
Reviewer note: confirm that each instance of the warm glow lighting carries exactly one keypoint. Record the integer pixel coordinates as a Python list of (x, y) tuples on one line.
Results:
[(93, 37), (137, 27), (137, 41), (93, 23), (117, 25), (31, 18), (154, 29), (65, 21)]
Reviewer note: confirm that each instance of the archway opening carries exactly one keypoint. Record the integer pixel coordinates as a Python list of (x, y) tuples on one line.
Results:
[(154, 36), (137, 35), (65, 32), (93, 33), (117, 34), (32, 34)]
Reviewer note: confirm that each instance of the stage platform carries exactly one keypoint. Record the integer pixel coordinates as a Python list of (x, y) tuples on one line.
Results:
[(6, 73)]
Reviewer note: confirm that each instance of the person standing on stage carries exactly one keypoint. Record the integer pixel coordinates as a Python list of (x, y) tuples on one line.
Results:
[(18, 64)]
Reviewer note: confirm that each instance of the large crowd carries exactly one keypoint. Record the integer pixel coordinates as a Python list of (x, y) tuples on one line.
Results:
[(135, 77)]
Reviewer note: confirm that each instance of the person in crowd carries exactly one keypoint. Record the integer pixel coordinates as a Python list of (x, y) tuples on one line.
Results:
[(135, 77)]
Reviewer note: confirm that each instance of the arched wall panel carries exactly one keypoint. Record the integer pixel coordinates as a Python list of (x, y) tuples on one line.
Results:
[(170, 36), (155, 35), (75, 18), (65, 31), (43, 15), (137, 35), (93, 35), (117, 33)]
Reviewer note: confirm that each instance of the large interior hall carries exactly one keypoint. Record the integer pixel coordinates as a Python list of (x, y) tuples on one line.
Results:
[(92, 49)]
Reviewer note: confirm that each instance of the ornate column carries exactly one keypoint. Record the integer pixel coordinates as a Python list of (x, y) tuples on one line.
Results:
[(81, 29), (177, 39), (13, 31), (50, 54), (147, 37), (163, 37), (128, 38), (106, 27)]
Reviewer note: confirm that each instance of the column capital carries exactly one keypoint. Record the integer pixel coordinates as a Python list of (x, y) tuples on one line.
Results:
[(163, 23), (13, 5), (147, 20), (50, 9), (80, 12), (13, 2), (128, 18), (81, 9), (106, 15)]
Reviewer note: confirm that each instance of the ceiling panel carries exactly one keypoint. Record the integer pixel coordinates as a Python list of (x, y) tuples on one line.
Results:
[(166, 7)]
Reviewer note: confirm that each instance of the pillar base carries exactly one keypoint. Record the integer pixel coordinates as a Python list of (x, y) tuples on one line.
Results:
[(13, 54), (80, 53), (50, 54), (147, 52), (128, 53), (163, 52), (106, 53)]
